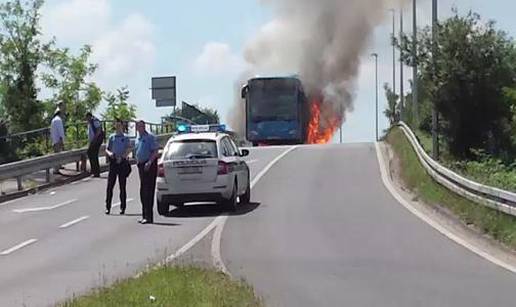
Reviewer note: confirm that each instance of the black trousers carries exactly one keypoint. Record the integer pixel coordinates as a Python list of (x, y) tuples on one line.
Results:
[(93, 155), (117, 171), (147, 189)]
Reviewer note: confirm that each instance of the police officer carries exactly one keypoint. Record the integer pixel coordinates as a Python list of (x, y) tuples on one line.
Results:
[(117, 151), (96, 138), (146, 148)]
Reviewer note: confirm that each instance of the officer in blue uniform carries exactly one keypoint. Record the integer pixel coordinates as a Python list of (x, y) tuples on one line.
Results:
[(117, 151), (146, 147)]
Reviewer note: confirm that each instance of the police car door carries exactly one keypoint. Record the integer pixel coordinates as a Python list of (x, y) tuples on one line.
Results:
[(242, 167), (234, 160)]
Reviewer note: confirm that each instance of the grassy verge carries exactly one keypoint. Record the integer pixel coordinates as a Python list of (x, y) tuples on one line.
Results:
[(486, 170), (500, 226), (172, 286)]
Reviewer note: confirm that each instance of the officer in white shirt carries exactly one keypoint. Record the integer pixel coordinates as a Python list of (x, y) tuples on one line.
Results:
[(57, 135)]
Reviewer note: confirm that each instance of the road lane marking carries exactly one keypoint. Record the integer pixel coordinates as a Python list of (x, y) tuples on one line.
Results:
[(11, 202), (119, 203), (71, 223), (17, 247), (217, 236), (219, 223), (66, 203), (434, 224)]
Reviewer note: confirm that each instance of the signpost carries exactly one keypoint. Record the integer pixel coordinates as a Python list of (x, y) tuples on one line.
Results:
[(164, 91)]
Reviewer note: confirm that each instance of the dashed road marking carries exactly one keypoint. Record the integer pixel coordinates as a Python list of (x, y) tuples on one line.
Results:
[(17, 247), (37, 209), (71, 223)]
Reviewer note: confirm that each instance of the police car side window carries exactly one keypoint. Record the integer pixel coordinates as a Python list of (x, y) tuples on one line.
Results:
[(224, 148), (228, 148), (235, 147)]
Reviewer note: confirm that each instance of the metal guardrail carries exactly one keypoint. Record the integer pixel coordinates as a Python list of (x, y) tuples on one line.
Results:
[(26, 167), (495, 198)]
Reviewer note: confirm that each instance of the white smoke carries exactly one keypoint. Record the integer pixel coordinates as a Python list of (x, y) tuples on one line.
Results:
[(321, 41)]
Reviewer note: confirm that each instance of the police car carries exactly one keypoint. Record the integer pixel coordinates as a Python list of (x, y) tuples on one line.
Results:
[(202, 164)]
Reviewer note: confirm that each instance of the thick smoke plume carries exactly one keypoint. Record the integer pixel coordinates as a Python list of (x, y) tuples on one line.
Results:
[(321, 41)]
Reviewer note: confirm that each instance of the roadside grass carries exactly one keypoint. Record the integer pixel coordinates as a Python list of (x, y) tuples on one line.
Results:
[(498, 225), (172, 286)]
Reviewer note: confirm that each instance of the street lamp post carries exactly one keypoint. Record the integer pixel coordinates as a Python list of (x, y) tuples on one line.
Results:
[(375, 55), (393, 51), (402, 91), (415, 94), (435, 115)]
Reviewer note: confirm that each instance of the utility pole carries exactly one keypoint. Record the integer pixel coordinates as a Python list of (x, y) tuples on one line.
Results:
[(393, 51), (415, 94), (402, 91), (340, 130), (435, 114), (375, 55)]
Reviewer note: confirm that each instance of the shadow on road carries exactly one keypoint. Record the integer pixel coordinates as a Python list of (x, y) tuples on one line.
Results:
[(165, 224), (210, 210)]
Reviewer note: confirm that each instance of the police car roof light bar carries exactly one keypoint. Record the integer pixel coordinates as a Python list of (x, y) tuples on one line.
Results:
[(201, 128)]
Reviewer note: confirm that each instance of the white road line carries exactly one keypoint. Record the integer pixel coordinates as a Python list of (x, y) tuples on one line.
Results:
[(217, 236), (119, 203), (71, 223), (17, 247), (37, 209), (219, 223), (11, 202), (450, 235)]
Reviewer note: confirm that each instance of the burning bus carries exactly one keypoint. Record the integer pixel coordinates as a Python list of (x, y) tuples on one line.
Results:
[(277, 111)]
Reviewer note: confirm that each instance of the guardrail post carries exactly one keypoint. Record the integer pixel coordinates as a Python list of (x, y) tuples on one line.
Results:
[(83, 163), (47, 175), (20, 183)]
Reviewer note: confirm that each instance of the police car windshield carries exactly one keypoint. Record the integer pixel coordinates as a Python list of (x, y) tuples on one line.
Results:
[(191, 149)]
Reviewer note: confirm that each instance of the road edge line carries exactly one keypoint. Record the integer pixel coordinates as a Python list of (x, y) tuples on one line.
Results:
[(216, 254), (425, 218)]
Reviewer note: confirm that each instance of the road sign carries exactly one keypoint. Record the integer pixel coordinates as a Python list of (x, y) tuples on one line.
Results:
[(164, 91)]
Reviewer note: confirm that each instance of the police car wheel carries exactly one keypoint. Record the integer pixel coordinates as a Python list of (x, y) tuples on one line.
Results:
[(231, 203), (246, 198), (163, 208)]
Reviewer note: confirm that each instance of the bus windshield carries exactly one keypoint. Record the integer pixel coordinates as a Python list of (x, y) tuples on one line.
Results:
[(273, 103)]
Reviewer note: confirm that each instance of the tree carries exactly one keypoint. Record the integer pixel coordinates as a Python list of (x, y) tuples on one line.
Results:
[(118, 108), (68, 81), (198, 115), (465, 76), (392, 111), (21, 54)]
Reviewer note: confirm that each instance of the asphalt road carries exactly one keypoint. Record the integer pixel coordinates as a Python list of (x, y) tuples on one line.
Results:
[(328, 233), (59, 243), (323, 231)]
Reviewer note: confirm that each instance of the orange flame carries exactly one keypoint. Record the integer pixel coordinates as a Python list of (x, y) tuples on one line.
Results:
[(322, 134)]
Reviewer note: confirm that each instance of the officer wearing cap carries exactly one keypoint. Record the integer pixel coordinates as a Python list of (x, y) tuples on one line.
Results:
[(146, 147), (117, 151)]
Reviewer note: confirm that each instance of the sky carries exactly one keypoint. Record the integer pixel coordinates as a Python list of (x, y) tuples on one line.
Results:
[(202, 42)]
